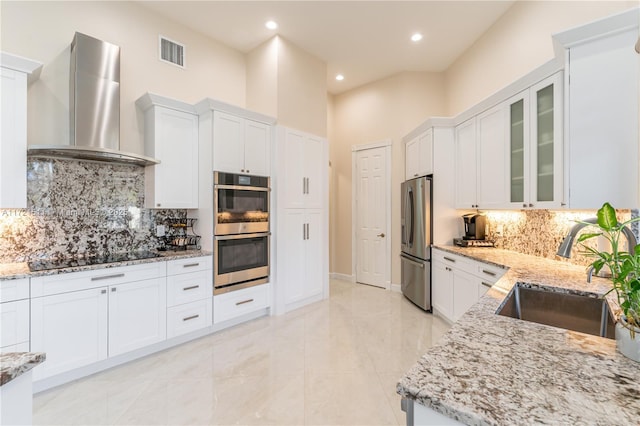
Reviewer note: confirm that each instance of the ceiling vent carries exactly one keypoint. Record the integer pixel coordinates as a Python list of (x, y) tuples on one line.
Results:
[(172, 52)]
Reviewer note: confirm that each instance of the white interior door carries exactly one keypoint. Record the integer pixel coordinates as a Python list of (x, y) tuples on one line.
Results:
[(372, 213)]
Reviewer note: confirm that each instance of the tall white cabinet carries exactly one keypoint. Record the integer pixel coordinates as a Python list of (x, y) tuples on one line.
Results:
[(302, 245), (15, 72)]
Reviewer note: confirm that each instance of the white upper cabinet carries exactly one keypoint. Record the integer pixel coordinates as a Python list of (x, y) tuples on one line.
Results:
[(14, 73), (241, 145), (466, 166), (491, 159), (304, 164), (535, 149), (603, 111), (510, 156), (419, 156), (171, 136)]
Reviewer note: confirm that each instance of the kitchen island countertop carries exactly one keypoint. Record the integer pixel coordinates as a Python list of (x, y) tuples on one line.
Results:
[(15, 364), (495, 370), (17, 270)]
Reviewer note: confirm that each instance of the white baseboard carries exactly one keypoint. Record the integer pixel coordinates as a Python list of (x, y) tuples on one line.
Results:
[(342, 277), (396, 287)]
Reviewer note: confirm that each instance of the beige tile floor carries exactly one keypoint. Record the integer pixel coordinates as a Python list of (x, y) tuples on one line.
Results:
[(335, 362)]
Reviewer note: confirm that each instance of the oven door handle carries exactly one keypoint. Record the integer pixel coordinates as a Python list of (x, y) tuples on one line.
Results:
[(243, 188), (241, 236)]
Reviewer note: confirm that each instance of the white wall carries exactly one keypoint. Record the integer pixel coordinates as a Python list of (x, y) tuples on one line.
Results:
[(44, 30), (262, 78)]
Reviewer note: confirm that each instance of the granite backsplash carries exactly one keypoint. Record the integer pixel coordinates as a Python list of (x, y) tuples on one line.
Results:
[(80, 208), (540, 232)]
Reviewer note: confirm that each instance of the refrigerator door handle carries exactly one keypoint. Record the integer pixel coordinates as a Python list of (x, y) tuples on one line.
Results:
[(415, 262), (412, 214)]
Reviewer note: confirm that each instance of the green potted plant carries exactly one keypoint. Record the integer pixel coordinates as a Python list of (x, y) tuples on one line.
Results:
[(624, 267)]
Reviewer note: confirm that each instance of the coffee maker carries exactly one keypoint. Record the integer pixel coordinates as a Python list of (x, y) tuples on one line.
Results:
[(474, 225)]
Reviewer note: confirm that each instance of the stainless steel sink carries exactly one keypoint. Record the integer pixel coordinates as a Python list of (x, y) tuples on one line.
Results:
[(586, 314)]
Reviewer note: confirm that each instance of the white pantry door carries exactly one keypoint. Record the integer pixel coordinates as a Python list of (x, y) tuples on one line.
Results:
[(372, 211)]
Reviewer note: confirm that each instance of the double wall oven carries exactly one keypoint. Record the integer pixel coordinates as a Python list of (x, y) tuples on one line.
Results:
[(241, 231)]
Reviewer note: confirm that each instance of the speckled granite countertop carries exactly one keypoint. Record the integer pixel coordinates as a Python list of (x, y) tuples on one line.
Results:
[(14, 364), (495, 370), (21, 270)]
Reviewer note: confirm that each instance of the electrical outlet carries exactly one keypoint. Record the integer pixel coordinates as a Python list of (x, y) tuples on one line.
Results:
[(499, 230), (160, 231)]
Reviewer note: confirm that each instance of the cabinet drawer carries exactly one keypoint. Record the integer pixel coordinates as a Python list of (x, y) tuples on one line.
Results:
[(451, 260), (11, 290), (191, 264), (75, 281), (189, 317), (488, 273), (236, 303), (186, 288), (14, 322)]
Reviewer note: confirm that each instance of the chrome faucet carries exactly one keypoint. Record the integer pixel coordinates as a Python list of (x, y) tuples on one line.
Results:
[(565, 247)]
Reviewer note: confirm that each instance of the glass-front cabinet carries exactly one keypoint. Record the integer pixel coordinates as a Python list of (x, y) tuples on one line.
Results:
[(535, 146)]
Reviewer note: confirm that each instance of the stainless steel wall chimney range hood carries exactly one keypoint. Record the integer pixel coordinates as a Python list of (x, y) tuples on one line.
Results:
[(94, 106)]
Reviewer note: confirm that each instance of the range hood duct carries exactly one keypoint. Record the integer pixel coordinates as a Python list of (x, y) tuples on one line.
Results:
[(94, 106)]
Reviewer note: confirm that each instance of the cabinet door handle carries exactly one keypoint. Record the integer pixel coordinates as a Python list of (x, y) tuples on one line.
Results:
[(190, 318), (113, 289), (304, 185), (307, 231), (107, 277), (304, 232), (530, 205), (103, 291), (449, 259), (524, 205), (190, 287), (244, 301), (486, 284), (415, 175), (190, 265), (493, 274)]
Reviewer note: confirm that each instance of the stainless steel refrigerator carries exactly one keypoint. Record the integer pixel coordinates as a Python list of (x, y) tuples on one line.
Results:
[(416, 241)]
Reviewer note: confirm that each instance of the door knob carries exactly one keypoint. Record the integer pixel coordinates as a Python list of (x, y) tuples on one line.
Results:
[(381, 235)]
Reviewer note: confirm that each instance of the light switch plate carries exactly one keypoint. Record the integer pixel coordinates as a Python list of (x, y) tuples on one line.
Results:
[(160, 231)]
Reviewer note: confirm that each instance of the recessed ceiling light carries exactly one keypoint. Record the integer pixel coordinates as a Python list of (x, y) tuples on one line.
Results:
[(416, 37), (339, 77), (272, 25)]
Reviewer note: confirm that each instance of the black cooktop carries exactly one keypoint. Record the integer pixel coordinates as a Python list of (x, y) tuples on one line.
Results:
[(44, 265)]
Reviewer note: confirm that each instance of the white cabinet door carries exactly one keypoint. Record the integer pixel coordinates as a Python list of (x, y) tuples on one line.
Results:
[(491, 156), (466, 165), (604, 82), (465, 292), (518, 147), (14, 322), (71, 328), (292, 258), (137, 315), (442, 289), (314, 163), (257, 148), (412, 155), (293, 162), (314, 246), (174, 182), (13, 139), (425, 153), (228, 143), (546, 159)]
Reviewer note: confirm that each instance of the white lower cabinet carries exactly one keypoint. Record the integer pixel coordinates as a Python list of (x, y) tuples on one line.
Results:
[(302, 275), (137, 315), (458, 283), (14, 315), (71, 328), (188, 317), (84, 317), (234, 304), (189, 295)]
